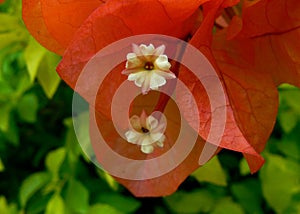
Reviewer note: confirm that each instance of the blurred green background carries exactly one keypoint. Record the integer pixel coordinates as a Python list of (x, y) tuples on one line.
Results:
[(43, 169)]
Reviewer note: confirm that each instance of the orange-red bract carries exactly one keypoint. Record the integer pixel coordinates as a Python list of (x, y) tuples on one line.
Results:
[(158, 186), (252, 56), (53, 23), (119, 19), (253, 66)]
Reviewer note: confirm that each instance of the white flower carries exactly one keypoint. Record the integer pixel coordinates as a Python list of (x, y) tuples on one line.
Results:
[(148, 67), (146, 132)]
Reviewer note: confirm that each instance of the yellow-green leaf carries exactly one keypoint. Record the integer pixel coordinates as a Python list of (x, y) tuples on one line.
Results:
[(56, 205), (77, 197), (54, 160), (31, 185), (103, 208), (27, 108), (4, 117), (33, 54), (211, 172), (47, 76), (2, 167)]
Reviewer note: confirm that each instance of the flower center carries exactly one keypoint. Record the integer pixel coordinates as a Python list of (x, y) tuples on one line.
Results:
[(149, 66), (144, 130)]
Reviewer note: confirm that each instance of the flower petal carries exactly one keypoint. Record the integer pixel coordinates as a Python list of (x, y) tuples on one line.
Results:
[(147, 149), (156, 136), (151, 122), (159, 50), (139, 78), (156, 81), (162, 62), (133, 61), (135, 122), (132, 136)]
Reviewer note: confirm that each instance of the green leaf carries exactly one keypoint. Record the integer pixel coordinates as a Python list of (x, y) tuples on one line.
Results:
[(103, 208), (11, 37), (211, 172), (244, 168), (280, 181), (12, 134), (249, 195), (27, 108), (291, 97), (119, 202), (288, 120), (112, 183), (7, 22), (54, 160), (81, 126), (10, 30), (2, 167), (192, 202), (6, 91), (289, 111), (289, 145), (47, 76), (38, 202), (55, 205), (7, 208), (31, 185), (5, 116), (71, 138), (33, 54), (226, 205), (77, 197)]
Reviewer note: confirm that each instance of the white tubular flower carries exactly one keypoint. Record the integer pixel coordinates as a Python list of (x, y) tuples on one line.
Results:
[(148, 67), (146, 132)]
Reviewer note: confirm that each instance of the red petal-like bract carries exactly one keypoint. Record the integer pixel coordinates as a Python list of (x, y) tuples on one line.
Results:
[(53, 23), (233, 137), (252, 56), (158, 186), (35, 23), (120, 19), (108, 24), (256, 59)]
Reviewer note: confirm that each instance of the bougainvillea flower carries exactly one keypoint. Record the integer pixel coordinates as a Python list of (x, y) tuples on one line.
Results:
[(166, 183), (252, 56), (148, 132), (148, 67)]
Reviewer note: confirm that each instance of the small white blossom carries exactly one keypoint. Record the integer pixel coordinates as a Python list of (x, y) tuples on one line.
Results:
[(146, 132), (148, 67)]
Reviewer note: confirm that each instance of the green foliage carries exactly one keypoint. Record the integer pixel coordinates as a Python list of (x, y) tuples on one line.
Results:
[(280, 182), (55, 205), (192, 202), (31, 185), (43, 169), (211, 172), (77, 197)]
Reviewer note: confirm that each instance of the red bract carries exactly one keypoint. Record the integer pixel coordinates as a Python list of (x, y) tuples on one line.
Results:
[(253, 66), (158, 186), (119, 19), (252, 56), (53, 23)]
